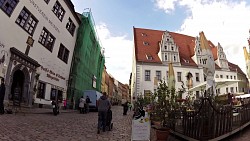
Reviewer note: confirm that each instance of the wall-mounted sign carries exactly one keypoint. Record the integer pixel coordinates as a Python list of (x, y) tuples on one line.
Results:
[(52, 75)]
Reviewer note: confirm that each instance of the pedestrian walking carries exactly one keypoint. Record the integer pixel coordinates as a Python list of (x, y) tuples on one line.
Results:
[(2, 94), (125, 108), (103, 105), (65, 104), (130, 106), (81, 104), (87, 104)]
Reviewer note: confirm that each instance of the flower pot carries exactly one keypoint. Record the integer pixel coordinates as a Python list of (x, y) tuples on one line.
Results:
[(162, 134)]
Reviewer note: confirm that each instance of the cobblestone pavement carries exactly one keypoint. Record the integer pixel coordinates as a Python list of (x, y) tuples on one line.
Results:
[(41, 125)]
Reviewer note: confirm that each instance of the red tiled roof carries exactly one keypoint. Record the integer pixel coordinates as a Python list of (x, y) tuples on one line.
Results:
[(234, 67), (185, 43)]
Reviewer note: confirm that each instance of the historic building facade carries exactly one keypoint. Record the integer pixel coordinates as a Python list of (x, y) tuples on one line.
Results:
[(36, 46), (154, 50)]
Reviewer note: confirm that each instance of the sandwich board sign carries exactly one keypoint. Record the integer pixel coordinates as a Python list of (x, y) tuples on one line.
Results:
[(141, 128)]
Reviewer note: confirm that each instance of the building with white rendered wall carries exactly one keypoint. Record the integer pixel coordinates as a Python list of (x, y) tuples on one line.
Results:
[(37, 41), (154, 49)]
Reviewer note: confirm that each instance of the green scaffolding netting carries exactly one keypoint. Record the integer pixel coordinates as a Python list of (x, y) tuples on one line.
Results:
[(88, 61)]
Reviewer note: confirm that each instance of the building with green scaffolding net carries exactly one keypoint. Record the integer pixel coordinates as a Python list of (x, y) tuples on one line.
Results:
[(87, 62)]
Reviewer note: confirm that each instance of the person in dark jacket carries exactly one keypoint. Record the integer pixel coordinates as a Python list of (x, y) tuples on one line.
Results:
[(87, 104), (2, 94), (125, 108), (103, 105)]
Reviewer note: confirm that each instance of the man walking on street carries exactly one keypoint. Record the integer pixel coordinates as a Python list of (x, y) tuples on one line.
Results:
[(87, 103), (2, 93), (103, 105)]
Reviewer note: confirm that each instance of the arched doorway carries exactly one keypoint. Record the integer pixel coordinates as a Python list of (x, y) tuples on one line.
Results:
[(18, 81), (20, 78)]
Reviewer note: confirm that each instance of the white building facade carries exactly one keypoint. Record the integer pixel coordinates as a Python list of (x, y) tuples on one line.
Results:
[(155, 49), (36, 46)]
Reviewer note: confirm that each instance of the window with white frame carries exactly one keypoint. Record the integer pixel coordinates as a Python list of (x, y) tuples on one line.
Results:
[(158, 75), (147, 75), (167, 75), (179, 76), (197, 77), (166, 57)]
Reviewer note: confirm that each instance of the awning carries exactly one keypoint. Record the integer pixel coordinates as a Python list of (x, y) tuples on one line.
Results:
[(219, 83)]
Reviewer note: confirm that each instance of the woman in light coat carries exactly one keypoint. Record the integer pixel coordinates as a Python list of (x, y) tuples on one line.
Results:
[(81, 105)]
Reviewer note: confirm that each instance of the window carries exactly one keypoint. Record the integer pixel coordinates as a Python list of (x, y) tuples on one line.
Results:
[(46, 39), (197, 94), (58, 10), (205, 77), (63, 53), (53, 94), (147, 75), (179, 76), (47, 1), (60, 96), (71, 27), (234, 77), (232, 89), (167, 75), (221, 76), (147, 93), (149, 57), (8, 6), (197, 77), (227, 76), (226, 90), (41, 90), (165, 47), (158, 75), (143, 34), (231, 77), (174, 58), (146, 43), (172, 48), (27, 21), (166, 57)]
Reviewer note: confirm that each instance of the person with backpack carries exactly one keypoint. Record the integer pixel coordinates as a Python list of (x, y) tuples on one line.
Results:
[(87, 104)]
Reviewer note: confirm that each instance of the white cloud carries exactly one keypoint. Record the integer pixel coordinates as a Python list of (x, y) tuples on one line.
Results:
[(118, 53), (222, 21)]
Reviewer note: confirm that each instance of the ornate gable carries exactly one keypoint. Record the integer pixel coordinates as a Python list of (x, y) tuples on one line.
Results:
[(169, 51)]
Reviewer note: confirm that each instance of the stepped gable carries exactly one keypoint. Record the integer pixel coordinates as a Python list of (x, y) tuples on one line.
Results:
[(185, 43)]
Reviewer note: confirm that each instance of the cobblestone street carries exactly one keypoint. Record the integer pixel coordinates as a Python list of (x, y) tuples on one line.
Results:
[(42, 125)]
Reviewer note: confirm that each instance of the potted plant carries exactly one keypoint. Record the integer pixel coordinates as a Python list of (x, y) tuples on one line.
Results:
[(164, 101)]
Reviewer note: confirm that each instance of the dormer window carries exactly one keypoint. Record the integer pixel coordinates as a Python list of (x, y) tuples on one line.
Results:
[(186, 61), (149, 57), (144, 34), (146, 43)]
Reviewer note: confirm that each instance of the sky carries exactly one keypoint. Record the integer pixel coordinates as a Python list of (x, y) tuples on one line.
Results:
[(223, 21)]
